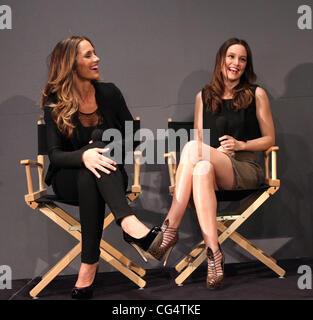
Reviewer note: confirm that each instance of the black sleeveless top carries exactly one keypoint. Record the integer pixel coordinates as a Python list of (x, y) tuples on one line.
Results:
[(242, 125)]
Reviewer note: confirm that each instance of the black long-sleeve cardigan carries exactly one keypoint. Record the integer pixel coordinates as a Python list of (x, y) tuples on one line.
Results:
[(66, 152)]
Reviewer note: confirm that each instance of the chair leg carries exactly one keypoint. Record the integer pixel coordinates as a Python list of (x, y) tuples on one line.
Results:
[(68, 258), (116, 254), (122, 259), (246, 210), (120, 267), (191, 268), (255, 251), (193, 265), (236, 237), (108, 253), (190, 257), (59, 267)]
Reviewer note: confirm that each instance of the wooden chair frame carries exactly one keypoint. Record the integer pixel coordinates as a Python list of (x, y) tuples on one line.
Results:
[(107, 252), (227, 224)]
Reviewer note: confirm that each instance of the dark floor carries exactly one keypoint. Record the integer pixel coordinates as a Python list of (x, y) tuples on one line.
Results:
[(244, 281)]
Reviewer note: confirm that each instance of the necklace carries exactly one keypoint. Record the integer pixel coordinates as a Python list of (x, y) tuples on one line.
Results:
[(88, 102), (90, 94)]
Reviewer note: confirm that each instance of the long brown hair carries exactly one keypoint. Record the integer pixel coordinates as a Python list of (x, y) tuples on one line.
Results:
[(62, 64), (242, 94)]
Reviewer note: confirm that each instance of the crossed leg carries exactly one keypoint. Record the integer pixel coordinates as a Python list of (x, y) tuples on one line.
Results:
[(202, 170)]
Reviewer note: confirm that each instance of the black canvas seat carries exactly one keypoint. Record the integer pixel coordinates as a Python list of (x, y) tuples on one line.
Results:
[(237, 195)]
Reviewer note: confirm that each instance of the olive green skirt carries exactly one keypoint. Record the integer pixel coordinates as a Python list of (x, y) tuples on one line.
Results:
[(248, 173)]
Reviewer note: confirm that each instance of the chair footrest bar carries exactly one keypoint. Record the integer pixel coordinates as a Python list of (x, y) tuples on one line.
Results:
[(74, 228), (224, 218)]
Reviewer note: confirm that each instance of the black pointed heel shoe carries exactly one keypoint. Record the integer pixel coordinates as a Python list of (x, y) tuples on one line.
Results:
[(147, 245), (84, 293)]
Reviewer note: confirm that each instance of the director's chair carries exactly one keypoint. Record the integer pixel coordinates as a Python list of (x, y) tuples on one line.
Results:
[(227, 223), (47, 205)]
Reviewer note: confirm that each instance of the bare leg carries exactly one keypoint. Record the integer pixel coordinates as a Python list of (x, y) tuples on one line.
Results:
[(214, 170), (205, 202), (207, 175), (183, 188), (198, 173), (191, 155)]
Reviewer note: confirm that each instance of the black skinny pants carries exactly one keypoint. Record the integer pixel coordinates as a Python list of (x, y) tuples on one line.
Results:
[(92, 194)]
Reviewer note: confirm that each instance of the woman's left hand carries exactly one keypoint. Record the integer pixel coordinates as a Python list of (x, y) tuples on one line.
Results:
[(231, 144)]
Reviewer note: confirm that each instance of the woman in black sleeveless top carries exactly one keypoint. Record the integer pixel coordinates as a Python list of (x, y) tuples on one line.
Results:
[(75, 103), (238, 114)]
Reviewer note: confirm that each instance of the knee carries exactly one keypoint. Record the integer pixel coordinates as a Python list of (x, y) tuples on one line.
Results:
[(86, 177), (195, 151), (190, 147), (203, 168), (190, 153)]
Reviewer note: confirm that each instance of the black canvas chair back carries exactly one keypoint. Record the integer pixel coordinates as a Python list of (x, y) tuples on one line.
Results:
[(43, 151), (42, 138), (175, 141)]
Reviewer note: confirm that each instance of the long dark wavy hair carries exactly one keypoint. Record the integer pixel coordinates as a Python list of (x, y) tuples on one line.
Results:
[(242, 94), (62, 64)]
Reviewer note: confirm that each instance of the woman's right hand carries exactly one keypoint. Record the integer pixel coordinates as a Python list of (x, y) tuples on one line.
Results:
[(93, 159)]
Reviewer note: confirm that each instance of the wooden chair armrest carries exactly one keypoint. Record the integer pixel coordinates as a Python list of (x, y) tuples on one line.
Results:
[(272, 181), (270, 149), (136, 187), (31, 163), (35, 195), (172, 166), (40, 167)]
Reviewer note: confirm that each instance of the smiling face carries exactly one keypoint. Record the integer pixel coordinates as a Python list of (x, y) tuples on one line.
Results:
[(87, 62), (235, 62)]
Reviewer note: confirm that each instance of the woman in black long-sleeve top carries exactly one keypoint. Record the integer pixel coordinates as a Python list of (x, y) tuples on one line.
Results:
[(75, 103)]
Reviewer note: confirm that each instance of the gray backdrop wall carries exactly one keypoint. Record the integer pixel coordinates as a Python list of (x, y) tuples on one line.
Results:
[(160, 54)]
